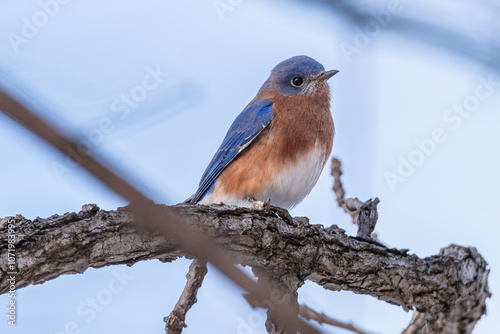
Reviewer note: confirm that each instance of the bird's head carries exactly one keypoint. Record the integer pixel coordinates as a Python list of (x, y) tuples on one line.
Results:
[(300, 76)]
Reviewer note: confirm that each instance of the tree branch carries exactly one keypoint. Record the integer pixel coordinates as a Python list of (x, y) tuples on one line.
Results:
[(364, 214), (350, 205), (175, 322), (309, 314), (449, 290)]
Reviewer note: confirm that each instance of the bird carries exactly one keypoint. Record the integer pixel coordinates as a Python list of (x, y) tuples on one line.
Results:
[(276, 148)]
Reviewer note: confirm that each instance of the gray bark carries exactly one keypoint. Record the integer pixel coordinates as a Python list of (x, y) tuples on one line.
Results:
[(448, 290), (175, 321)]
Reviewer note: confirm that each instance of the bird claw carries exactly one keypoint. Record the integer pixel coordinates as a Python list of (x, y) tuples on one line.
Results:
[(259, 205)]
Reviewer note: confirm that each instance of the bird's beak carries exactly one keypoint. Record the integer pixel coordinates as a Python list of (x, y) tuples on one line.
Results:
[(326, 75), (329, 74)]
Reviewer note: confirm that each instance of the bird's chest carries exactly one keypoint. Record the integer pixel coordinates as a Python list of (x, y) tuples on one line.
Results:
[(290, 182)]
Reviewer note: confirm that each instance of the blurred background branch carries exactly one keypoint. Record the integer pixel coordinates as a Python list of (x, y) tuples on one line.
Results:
[(478, 41)]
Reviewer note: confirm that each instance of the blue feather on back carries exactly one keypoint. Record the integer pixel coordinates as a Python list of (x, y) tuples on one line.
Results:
[(245, 128)]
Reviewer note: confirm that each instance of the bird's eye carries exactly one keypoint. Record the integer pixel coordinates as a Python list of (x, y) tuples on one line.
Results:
[(297, 81)]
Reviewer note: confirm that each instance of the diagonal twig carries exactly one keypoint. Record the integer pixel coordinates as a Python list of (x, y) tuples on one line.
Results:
[(175, 322), (309, 314)]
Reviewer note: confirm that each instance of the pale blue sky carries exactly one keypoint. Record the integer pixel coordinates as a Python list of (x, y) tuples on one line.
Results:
[(387, 97)]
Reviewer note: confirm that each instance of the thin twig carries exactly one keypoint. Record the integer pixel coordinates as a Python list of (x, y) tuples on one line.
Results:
[(350, 205), (309, 314), (175, 322), (364, 214)]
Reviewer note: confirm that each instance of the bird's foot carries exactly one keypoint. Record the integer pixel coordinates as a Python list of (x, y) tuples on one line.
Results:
[(259, 205)]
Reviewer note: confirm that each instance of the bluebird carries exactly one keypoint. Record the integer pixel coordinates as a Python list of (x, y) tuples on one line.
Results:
[(278, 145)]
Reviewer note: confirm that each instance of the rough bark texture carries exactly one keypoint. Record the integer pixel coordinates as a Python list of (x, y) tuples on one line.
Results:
[(448, 290), (367, 218), (175, 322), (364, 214)]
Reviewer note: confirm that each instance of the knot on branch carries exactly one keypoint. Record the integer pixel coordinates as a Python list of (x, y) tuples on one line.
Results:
[(88, 210), (367, 218), (174, 323), (364, 214)]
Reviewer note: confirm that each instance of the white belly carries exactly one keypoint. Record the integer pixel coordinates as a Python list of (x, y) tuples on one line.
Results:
[(291, 185), (288, 186)]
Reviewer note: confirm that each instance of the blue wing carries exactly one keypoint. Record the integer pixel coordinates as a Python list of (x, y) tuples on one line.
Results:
[(245, 128)]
